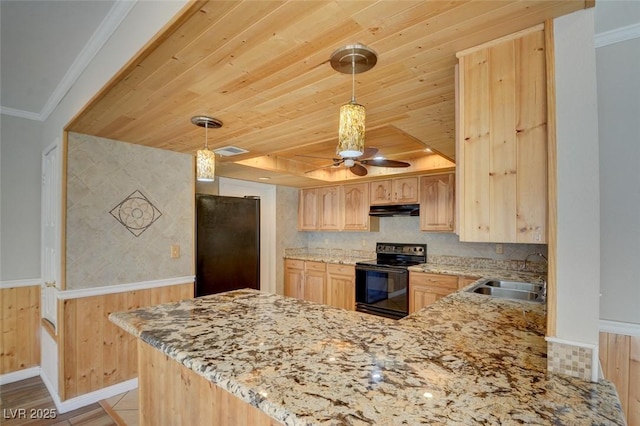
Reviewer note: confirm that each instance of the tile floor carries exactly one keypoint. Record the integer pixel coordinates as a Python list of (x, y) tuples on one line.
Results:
[(123, 408)]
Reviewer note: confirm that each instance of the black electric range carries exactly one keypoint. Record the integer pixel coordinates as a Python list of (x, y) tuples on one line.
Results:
[(382, 284)]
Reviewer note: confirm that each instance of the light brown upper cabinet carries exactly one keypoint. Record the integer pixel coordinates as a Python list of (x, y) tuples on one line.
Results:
[(501, 150), (335, 208), (356, 207), (329, 209), (394, 191), (308, 209), (437, 202)]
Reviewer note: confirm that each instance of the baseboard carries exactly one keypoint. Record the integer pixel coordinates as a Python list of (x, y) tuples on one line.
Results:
[(16, 376), (88, 398)]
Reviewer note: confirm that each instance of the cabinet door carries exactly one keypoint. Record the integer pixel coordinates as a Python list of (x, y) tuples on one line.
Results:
[(314, 281), (436, 202), (356, 207), (329, 208), (308, 209), (405, 190), (341, 286), (502, 143), (293, 278), (380, 192), (424, 289)]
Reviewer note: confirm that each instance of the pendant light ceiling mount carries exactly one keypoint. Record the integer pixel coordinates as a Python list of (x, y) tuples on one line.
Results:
[(352, 59), (207, 122)]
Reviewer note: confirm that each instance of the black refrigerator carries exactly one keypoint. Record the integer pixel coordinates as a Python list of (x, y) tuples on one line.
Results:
[(227, 243)]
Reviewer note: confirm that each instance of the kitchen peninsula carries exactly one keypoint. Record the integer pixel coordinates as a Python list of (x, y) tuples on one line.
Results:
[(466, 359)]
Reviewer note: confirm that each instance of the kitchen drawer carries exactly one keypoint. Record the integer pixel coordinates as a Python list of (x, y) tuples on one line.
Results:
[(433, 280), (315, 266), (294, 263), (341, 269)]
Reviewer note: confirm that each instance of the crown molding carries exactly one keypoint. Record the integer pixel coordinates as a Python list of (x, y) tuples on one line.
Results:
[(619, 34), (20, 113)]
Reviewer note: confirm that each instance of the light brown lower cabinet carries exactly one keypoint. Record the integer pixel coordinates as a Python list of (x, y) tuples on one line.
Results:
[(341, 286), (294, 278), (329, 283), (315, 277), (425, 288), (305, 280)]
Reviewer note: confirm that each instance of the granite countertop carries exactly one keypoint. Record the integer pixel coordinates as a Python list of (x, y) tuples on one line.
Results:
[(466, 359), (339, 256)]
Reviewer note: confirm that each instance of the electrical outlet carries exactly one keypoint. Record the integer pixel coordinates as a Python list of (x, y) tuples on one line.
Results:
[(175, 251), (364, 243), (499, 249)]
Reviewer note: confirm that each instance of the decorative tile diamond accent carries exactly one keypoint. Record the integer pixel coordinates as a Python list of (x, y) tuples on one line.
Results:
[(136, 213)]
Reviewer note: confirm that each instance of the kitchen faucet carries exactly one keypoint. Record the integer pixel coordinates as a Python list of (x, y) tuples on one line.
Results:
[(524, 265), (544, 281)]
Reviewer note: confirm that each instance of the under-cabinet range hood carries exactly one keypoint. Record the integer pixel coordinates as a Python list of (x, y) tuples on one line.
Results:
[(395, 210)]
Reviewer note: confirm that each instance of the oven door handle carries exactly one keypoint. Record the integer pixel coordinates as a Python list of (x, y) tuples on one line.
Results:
[(378, 269)]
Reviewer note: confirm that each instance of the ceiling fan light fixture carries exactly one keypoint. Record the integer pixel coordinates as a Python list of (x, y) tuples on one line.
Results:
[(352, 59), (205, 158)]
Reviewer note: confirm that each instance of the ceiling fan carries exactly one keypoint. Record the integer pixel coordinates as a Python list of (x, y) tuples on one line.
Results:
[(356, 165)]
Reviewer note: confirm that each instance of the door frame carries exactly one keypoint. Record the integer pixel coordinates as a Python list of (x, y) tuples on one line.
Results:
[(56, 195)]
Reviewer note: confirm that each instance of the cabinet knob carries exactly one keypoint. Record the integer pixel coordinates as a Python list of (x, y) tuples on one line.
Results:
[(50, 284)]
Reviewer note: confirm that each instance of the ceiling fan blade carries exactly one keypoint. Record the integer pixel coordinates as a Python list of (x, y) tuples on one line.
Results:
[(322, 158), (385, 163), (358, 170), (335, 164), (369, 152)]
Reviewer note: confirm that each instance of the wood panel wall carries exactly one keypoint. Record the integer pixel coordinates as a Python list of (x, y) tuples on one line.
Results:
[(620, 360), (171, 394), (93, 352), (20, 328)]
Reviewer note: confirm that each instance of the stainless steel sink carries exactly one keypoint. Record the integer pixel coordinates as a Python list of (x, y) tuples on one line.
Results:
[(515, 290), (514, 285)]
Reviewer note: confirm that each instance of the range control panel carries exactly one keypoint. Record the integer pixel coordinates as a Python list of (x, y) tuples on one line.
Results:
[(401, 248)]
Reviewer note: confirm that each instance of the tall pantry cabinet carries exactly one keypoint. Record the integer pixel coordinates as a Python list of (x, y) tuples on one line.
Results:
[(502, 140)]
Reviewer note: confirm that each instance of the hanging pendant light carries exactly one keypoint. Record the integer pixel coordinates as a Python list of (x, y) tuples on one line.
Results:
[(352, 59), (205, 158)]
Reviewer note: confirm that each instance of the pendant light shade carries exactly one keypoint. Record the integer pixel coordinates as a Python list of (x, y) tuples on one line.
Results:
[(205, 158), (352, 59), (205, 165), (351, 130)]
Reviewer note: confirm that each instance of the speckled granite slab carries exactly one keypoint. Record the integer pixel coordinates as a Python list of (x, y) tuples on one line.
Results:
[(465, 360)]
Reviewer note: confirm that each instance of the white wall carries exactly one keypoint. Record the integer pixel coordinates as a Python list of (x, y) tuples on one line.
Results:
[(618, 67), (20, 183), (578, 239), (22, 141)]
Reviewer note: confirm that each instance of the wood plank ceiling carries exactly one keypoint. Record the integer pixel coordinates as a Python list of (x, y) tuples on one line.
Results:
[(262, 68)]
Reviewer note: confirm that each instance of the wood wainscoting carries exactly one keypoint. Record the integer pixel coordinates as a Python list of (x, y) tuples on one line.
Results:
[(20, 328), (93, 352), (172, 394), (620, 360)]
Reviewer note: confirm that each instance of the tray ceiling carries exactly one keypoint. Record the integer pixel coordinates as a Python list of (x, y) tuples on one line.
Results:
[(262, 68)]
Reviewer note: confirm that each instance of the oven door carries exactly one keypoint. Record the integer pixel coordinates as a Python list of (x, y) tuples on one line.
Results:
[(382, 291)]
